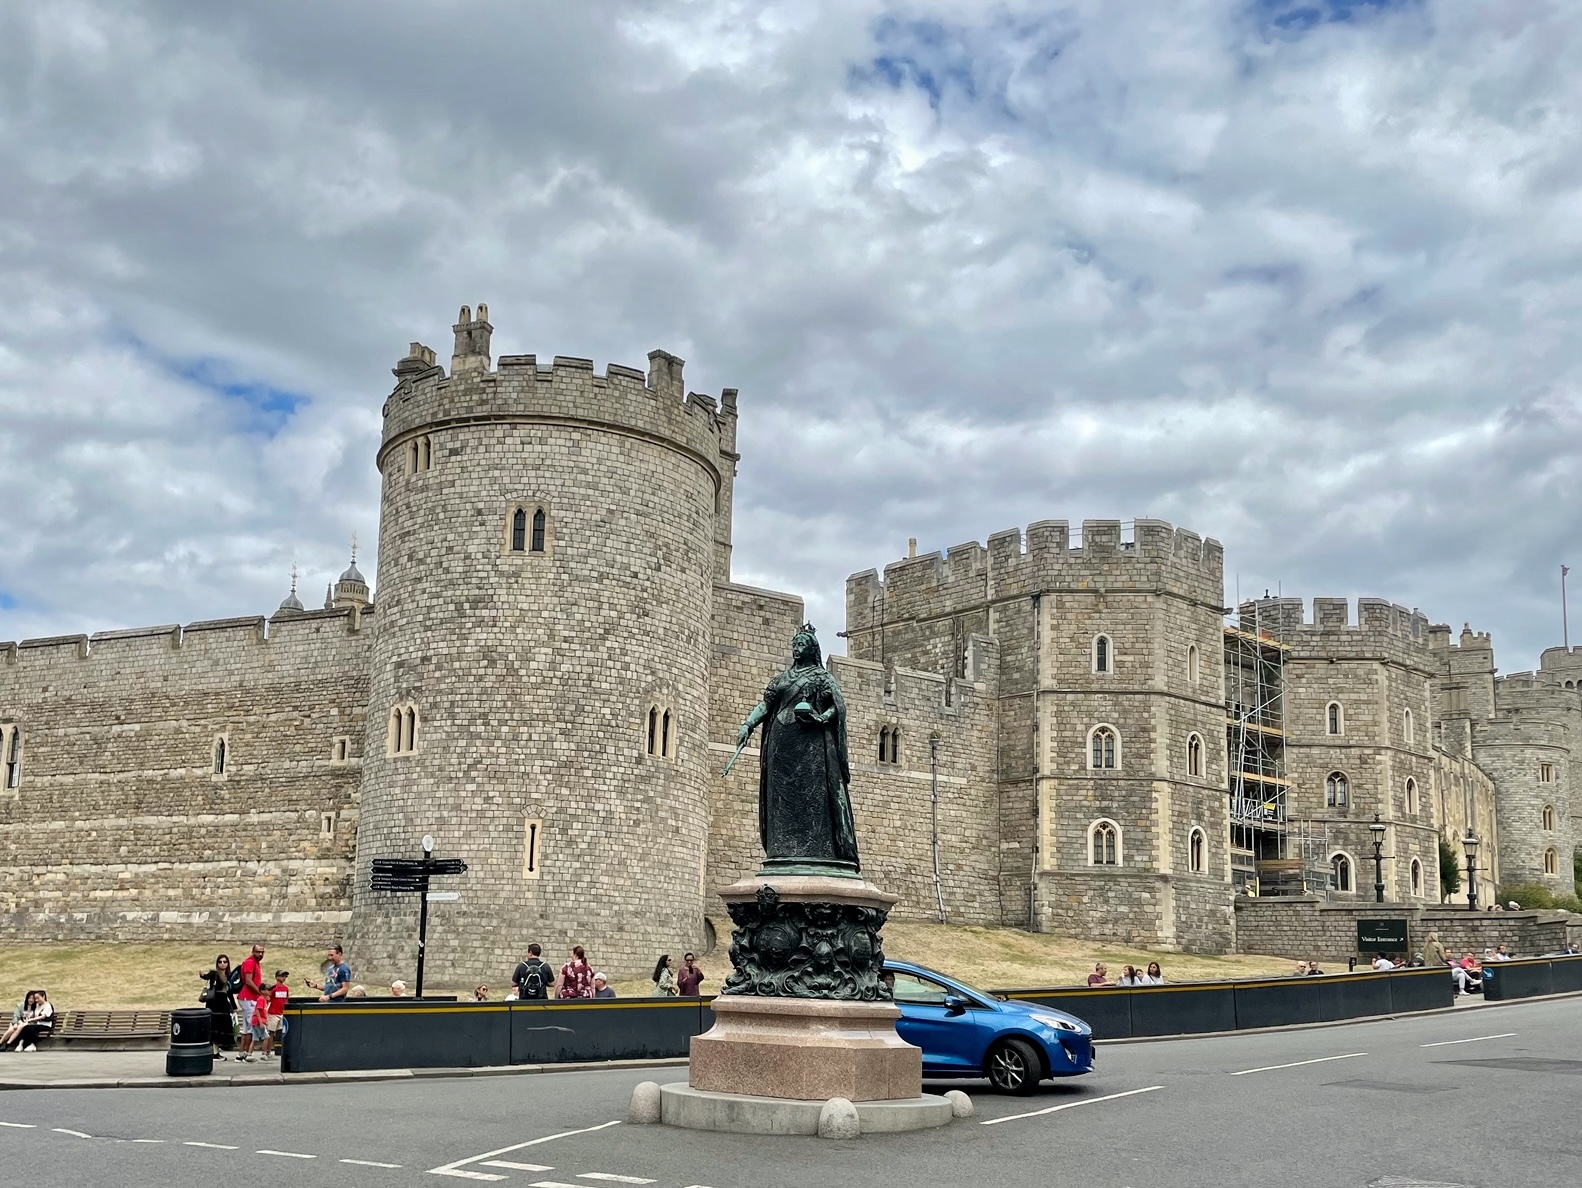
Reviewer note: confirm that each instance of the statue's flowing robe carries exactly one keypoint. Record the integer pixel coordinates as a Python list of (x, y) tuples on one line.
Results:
[(804, 809)]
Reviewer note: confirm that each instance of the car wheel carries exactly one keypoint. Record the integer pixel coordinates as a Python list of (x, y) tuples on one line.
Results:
[(1014, 1067)]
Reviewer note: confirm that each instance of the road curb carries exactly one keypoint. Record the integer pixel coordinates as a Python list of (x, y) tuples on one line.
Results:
[(245, 1080)]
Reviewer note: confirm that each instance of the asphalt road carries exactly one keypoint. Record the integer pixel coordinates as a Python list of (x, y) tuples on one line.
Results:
[(1485, 1097)]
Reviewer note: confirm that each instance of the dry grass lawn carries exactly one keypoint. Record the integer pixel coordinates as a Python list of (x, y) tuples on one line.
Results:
[(110, 976)]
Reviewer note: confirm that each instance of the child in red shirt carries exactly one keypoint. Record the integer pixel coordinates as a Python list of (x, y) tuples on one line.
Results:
[(278, 995)]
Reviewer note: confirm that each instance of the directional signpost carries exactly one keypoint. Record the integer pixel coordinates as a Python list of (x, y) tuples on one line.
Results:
[(407, 876)]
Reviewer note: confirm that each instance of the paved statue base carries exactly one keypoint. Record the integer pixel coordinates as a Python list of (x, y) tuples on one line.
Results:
[(804, 1018), (695, 1109)]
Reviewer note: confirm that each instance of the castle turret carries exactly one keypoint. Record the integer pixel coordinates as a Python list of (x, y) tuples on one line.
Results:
[(549, 542), (351, 590), (291, 604)]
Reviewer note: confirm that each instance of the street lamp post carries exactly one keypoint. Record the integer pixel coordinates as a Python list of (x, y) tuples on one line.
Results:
[(1378, 829), (1470, 844)]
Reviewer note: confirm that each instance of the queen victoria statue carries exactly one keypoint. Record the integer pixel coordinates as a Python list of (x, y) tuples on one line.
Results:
[(804, 806)]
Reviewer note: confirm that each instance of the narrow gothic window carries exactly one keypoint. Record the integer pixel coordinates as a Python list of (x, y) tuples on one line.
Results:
[(653, 725), (1549, 817), (1195, 852), (1411, 796), (1408, 728), (538, 531), (519, 531), (1194, 756), (1105, 849), (664, 737), (1417, 877), (340, 751), (884, 744), (412, 452), (1101, 654), (1335, 790), (1192, 664), (219, 756), (1103, 754), (428, 454), (895, 745), (1341, 866), (1551, 862), (1337, 720), (13, 759), (1546, 773), (411, 730)]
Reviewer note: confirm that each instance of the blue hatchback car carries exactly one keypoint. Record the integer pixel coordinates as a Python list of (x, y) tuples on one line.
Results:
[(967, 1032)]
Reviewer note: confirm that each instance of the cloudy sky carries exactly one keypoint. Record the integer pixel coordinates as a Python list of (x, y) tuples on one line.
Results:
[(1299, 274)]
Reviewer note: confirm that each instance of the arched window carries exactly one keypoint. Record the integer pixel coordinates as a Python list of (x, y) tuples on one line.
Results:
[(1340, 868), (1192, 664), (538, 531), (411, 729), (412, 456), (1197, 843), (219, 756), (884, 744), (1408, 728), (428, 454), (1194, 755), (1417, 877), (1336, 790), (1546, 773), (519, 531), (1103, 748), (1104, 844), (1411, 796), (653, 725), (401, 734), (1551, 862), (666, 741), (1101, 653), (13, 757), (1335, 718), (1549, 818)]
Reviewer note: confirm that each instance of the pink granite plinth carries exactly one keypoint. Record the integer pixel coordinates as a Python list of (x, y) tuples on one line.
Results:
[(806, 1049)]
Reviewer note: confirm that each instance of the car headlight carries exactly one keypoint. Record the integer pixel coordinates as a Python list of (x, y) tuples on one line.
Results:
[(1056, 1022)]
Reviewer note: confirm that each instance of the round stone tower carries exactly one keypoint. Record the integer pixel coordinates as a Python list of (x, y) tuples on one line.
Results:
[(539, 694)]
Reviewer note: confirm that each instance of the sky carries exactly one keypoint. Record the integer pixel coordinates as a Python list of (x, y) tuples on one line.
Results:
[(1301, 275)]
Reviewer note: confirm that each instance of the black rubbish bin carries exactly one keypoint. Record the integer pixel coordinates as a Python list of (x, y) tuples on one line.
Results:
[(191, 1043)]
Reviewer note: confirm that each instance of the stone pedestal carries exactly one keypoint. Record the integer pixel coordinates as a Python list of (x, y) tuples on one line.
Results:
[(808, 1049)]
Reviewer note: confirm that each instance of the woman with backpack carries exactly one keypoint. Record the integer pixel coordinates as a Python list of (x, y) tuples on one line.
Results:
[(219, 995)]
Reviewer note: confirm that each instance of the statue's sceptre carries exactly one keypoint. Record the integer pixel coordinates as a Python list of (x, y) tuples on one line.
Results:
[(740, 747)]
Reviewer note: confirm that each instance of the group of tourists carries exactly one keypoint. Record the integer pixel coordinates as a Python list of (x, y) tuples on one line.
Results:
[(535, 978), (246, 1015), (1130, 975), (33, 1020)]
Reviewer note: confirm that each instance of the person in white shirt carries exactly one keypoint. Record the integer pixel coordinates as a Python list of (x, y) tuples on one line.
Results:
[(1381, 963)]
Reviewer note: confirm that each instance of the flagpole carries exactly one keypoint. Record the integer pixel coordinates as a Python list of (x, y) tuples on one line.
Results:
[(1565, 624)]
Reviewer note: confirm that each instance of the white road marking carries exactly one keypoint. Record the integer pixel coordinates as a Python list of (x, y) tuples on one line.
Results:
[(73, 1133), (148, 1140), (20, 1125), (1473, 1040), (458, 1168), (1069, 1105), (286, 1154), (613, 1179), (211, 1146), (369, 1163), (552, 1184), (1297, 1064), (516, 1166)]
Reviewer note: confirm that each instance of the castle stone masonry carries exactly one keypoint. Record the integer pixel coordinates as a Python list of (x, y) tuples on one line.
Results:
[(549, 671)]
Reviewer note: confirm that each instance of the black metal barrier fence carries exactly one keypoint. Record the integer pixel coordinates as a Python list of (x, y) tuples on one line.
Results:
[(414, 1033), (1529, 977)]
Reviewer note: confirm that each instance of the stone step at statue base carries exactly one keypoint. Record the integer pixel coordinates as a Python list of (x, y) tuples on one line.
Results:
[(696, 1109)]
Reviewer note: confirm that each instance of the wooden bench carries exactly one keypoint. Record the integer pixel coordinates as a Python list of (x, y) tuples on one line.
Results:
[(113, 1030)]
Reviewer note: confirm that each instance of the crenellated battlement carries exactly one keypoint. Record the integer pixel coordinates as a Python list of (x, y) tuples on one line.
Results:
[(1470, 641), (652, 404), (1048, 557), (296, 635)]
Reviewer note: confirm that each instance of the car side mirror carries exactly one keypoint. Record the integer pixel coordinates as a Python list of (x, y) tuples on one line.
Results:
[(955, 1004)]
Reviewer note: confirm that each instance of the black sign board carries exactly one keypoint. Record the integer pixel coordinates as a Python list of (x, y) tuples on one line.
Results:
[(1381, 936), (407, 876)]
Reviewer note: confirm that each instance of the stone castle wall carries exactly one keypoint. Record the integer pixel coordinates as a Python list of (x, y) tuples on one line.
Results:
[(1309, 928), (121, 829)]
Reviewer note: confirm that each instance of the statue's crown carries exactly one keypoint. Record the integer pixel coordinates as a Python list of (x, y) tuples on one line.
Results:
[(808, 629)]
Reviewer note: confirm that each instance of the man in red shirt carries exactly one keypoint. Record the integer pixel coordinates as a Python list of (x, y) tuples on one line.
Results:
[(249, 998), (576, 976), (690, 977)]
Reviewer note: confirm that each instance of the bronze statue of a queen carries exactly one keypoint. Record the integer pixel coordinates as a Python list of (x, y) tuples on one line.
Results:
[(804, 806)]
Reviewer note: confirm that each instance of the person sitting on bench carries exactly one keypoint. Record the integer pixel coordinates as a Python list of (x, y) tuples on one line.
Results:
[(37, 1023)]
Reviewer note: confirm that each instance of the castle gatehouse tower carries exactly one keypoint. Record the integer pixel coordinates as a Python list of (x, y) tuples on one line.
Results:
[(549, 542)]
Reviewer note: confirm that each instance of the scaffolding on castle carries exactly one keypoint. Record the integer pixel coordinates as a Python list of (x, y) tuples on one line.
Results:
[(1263, 860)]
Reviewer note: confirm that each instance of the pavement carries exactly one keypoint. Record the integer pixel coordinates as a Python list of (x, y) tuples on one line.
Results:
[(1474, 1098)]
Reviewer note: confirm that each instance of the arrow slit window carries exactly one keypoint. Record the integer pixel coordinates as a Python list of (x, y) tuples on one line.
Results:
[(532, 847)]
